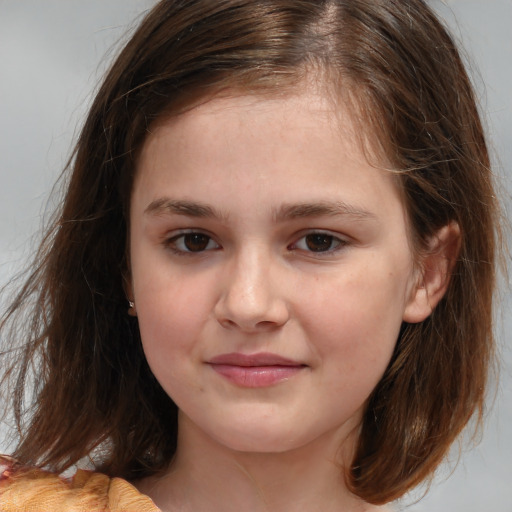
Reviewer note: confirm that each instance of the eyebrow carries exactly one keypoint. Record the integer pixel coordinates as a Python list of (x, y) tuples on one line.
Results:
[(285, 212), (322, 209), (165, 205)]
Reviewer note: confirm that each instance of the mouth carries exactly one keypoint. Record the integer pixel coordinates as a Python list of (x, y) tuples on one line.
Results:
[(255, 370)]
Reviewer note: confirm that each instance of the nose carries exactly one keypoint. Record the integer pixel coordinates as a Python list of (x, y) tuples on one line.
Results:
[(252, 297)]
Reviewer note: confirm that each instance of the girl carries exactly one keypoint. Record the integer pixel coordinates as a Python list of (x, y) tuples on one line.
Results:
[(270, 283)]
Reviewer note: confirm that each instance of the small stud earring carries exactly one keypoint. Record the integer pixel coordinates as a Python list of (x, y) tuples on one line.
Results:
[(131, 309)]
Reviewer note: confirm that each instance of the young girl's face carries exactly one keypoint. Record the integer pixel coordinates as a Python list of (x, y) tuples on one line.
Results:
[(270, 267)]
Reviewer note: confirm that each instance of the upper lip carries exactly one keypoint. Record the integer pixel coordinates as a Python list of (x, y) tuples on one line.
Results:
[(259, 359)]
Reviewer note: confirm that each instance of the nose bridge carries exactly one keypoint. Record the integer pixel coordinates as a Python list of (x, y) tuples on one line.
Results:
[(251, 298)]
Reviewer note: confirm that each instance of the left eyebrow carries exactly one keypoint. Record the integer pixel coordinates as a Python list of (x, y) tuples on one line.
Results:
[(322, 209)]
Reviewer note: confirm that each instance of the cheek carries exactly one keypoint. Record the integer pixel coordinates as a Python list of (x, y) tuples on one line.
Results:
[(163, 310), (168, 317), (166, 329), (358, 317), (174, 311)]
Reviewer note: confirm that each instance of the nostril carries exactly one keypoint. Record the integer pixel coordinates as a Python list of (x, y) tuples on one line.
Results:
[(267, 324), (227, 323)]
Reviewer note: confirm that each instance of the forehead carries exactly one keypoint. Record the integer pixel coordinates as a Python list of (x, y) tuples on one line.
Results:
[(343, 104), (290, 107)]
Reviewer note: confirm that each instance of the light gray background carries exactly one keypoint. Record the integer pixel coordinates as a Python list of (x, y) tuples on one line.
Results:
[(51, 55)]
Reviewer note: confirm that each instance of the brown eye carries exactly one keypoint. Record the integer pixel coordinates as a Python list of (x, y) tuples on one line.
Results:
[(196, 242), (319, 242), (190, 243)]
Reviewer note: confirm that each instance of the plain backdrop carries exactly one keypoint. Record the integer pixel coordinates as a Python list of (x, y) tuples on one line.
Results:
[(51, 56)]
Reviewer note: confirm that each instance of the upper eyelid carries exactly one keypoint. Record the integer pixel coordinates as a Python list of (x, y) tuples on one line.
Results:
[(175, 233), (340, 236), (297, 236)]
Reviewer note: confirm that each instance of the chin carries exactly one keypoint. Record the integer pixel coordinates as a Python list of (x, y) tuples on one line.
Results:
[(267, 438)]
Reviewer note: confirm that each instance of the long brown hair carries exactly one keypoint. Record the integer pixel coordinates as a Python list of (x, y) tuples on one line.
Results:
[(93, 390)]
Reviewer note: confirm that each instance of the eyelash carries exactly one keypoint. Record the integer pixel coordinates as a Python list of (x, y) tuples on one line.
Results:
[(334, 243)]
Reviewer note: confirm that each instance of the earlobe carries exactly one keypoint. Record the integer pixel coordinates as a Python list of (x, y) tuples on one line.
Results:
[(128, 290), (434, 275), (131, 309)]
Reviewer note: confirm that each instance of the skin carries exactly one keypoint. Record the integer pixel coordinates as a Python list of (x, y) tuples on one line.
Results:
[(300, 249)]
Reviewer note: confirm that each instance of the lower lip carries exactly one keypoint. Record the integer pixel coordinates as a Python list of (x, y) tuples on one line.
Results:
[(256, 376)]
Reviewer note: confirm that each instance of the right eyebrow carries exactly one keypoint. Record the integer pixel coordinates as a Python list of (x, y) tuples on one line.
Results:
[(169, 206)]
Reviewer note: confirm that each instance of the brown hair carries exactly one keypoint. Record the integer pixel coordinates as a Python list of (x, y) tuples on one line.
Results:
[(93, 387)]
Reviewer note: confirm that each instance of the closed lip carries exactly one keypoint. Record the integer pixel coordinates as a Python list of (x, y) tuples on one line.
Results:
[(255, 370), (248, 360)]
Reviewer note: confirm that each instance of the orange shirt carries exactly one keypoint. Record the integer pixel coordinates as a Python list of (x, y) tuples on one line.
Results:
[(35, 490)]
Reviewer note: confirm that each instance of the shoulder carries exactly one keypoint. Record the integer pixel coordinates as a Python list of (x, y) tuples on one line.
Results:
[(31, 490)]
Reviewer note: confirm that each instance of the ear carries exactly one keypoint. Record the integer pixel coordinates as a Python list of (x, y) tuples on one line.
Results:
[(434, 273)]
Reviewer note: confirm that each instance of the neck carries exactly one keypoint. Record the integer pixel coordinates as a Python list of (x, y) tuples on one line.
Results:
[(208, 476)]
